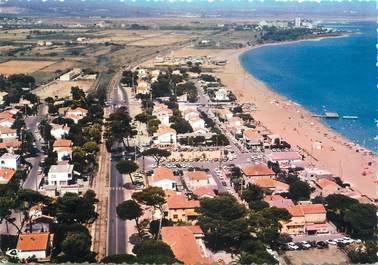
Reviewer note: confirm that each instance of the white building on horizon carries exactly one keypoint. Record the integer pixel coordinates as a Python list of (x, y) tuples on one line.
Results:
[(297, 22)]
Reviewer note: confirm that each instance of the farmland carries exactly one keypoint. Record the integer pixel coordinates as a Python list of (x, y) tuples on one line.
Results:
[(22, 66)]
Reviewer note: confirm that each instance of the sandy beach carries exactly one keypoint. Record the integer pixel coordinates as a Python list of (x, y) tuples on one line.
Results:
[(296, 125)]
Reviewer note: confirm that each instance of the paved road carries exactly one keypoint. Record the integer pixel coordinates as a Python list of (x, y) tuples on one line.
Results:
[(117, 236), (33, 180)]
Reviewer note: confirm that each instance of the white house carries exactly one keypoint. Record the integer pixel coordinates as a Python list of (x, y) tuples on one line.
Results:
[(197, 123), (284, 159), (166, 136), (59, 131), (63, 149), (164, 178), (163, 113), (33, 245), (76, 114), (221, 95), (60, 175), (190, 113), (196, 179), (9, 160), (70, 75), (80, 112), (143, 87)]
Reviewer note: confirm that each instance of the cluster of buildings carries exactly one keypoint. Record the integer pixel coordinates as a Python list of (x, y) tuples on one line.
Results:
[(61, 177), (182, 200)]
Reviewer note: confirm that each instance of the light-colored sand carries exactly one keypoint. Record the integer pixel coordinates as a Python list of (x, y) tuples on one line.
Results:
[(296, 125), (22, 67)]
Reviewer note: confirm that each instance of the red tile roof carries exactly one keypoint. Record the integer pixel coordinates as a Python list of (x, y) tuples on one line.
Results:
[(10, 143), (32, 242), (301, 210), (162, 173), (163, 130), (271, 183), (197, 175), (6, 173), (203, 191), (278, 201), (326, 183), (257, 170), (183, 243), (63, 143), (180, 201)]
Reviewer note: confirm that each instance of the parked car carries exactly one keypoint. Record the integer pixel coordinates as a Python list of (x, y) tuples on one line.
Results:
[(292, 246), (321, 244), (304, 245), (331, 242)]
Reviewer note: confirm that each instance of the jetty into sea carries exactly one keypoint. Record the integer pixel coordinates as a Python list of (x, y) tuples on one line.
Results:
[(335, 115)]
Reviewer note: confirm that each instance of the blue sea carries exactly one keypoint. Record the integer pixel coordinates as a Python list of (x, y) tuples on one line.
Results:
[(334, 74)]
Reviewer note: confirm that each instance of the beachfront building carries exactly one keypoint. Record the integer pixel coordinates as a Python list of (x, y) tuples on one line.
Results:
[(252, 139), (187, 244), (327, 187), (284, 159), (164, 178)]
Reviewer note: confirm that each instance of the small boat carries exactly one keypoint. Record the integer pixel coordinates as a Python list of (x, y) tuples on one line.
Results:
[(376, 138), (350, 117)]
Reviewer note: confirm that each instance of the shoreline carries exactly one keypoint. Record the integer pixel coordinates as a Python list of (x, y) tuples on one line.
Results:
[(294, 123), (293, 101)]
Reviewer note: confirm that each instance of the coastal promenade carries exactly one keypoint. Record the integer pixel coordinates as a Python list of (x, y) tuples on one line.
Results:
[(353, 163)]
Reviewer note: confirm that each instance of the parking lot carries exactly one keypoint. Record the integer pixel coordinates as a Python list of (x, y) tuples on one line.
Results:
[(331, 255)]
